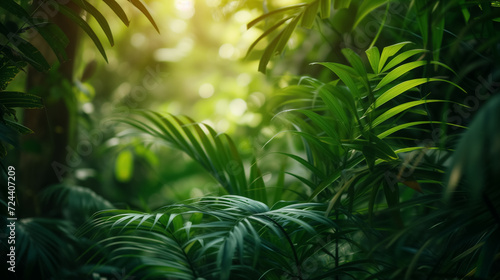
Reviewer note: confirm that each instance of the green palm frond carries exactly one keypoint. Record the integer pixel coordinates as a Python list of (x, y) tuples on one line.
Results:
[(53, 35), (285, 20), (214, 151), (215, 238), (43, 247), (349, 120), (73, 203), (17, 51)]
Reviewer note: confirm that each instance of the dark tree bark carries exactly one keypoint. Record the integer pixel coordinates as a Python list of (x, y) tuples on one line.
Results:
[(48, 145)]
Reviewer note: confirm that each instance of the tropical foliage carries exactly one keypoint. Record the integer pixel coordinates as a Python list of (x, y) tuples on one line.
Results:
[(19, 25), (374, 167)]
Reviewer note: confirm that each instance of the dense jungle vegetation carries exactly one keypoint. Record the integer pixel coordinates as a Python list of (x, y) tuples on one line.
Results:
[(233, 139)]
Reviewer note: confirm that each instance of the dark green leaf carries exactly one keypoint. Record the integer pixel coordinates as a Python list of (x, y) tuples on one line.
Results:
[(138, 4), (20, 99), (266, 33), (98, 16), (118, 11), (269, 52), (325, 7), (374, 58), (287, 32), (340, 4), (310, 14), (18, 127), (30, 54), (366, 8), (278, 11), (85, 26)]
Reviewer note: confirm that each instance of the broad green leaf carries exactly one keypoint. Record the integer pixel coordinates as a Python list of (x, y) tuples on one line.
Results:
[(138, 4), (20, 99), (400, 108), (373, 56), (358, 65), (85, 26), (404, 86), (405, 68), (355, 61), (399, 71), (344, 73), (400, 58), (325, 7), (287, 32), (340, 4), (388, 52), (309, 14)]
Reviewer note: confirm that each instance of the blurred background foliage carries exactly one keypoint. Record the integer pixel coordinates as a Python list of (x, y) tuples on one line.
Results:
[(194, 67)]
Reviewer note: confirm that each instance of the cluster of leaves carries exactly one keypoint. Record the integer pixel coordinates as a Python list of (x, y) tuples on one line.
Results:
[(222, 237), (18, 27), (285, 20), (345, 126), (380, 193)]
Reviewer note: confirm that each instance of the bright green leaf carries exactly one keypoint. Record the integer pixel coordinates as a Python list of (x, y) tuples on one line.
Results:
[(124, 166)]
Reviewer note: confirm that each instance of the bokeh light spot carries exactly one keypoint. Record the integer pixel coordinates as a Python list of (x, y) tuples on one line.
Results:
[(185, 8), (226, 51), (88, 108), (243, 79), (178, 26), (212, 3), (206, 90), (137, 40), (175, 54), (243, 17), (238, 107)]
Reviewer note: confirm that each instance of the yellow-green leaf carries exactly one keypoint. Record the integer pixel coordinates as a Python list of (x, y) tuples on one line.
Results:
[(124, 166)]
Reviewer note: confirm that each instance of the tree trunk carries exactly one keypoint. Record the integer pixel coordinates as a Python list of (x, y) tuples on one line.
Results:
[(48, 145)]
